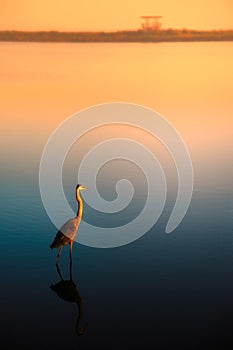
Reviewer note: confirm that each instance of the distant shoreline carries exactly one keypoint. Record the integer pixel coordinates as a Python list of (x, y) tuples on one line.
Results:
[(165, 35)]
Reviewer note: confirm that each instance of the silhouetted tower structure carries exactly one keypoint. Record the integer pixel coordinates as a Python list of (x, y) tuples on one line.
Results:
[(151, 23)]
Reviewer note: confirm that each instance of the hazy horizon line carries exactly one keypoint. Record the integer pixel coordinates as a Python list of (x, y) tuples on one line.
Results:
[(140, 35)]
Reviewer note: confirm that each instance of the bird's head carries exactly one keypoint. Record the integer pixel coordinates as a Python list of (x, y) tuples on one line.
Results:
[(81, 187)]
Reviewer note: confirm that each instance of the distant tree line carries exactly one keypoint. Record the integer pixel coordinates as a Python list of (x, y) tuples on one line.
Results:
[(165, 35)]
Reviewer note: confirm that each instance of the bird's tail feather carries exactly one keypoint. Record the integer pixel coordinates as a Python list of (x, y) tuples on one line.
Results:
[(53, 245)]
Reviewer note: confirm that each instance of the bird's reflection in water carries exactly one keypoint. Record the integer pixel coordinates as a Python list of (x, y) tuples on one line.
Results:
[(67, 290)]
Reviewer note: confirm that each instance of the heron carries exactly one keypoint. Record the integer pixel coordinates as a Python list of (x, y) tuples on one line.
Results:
[(68, 231)]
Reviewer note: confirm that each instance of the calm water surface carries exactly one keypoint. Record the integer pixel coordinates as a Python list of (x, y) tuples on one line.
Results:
[(163, 290)]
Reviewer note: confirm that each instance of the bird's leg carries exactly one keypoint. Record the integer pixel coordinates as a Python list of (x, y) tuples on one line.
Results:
[(71, 243), (58, 255), (59, 272)]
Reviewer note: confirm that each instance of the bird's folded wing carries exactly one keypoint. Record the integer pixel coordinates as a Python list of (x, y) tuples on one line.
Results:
[(69, 229)]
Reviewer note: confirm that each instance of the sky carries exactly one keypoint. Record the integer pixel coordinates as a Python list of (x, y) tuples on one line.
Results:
[(77, 15)]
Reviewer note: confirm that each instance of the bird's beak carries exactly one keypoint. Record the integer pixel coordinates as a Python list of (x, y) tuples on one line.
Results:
[(84, 188)]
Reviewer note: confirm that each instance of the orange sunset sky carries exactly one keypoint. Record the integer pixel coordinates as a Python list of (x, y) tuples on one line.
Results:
[(77, 15)]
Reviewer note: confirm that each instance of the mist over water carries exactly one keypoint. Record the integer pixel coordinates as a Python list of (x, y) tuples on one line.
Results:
[(166, 289)]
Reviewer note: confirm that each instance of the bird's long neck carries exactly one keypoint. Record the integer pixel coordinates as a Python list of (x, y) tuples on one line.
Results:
[(80, 205)]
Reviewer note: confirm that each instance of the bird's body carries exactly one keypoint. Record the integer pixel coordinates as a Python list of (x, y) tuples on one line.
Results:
[(68, 231)]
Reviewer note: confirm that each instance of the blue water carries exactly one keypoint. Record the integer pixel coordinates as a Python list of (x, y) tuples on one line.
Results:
[(162, 289)]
